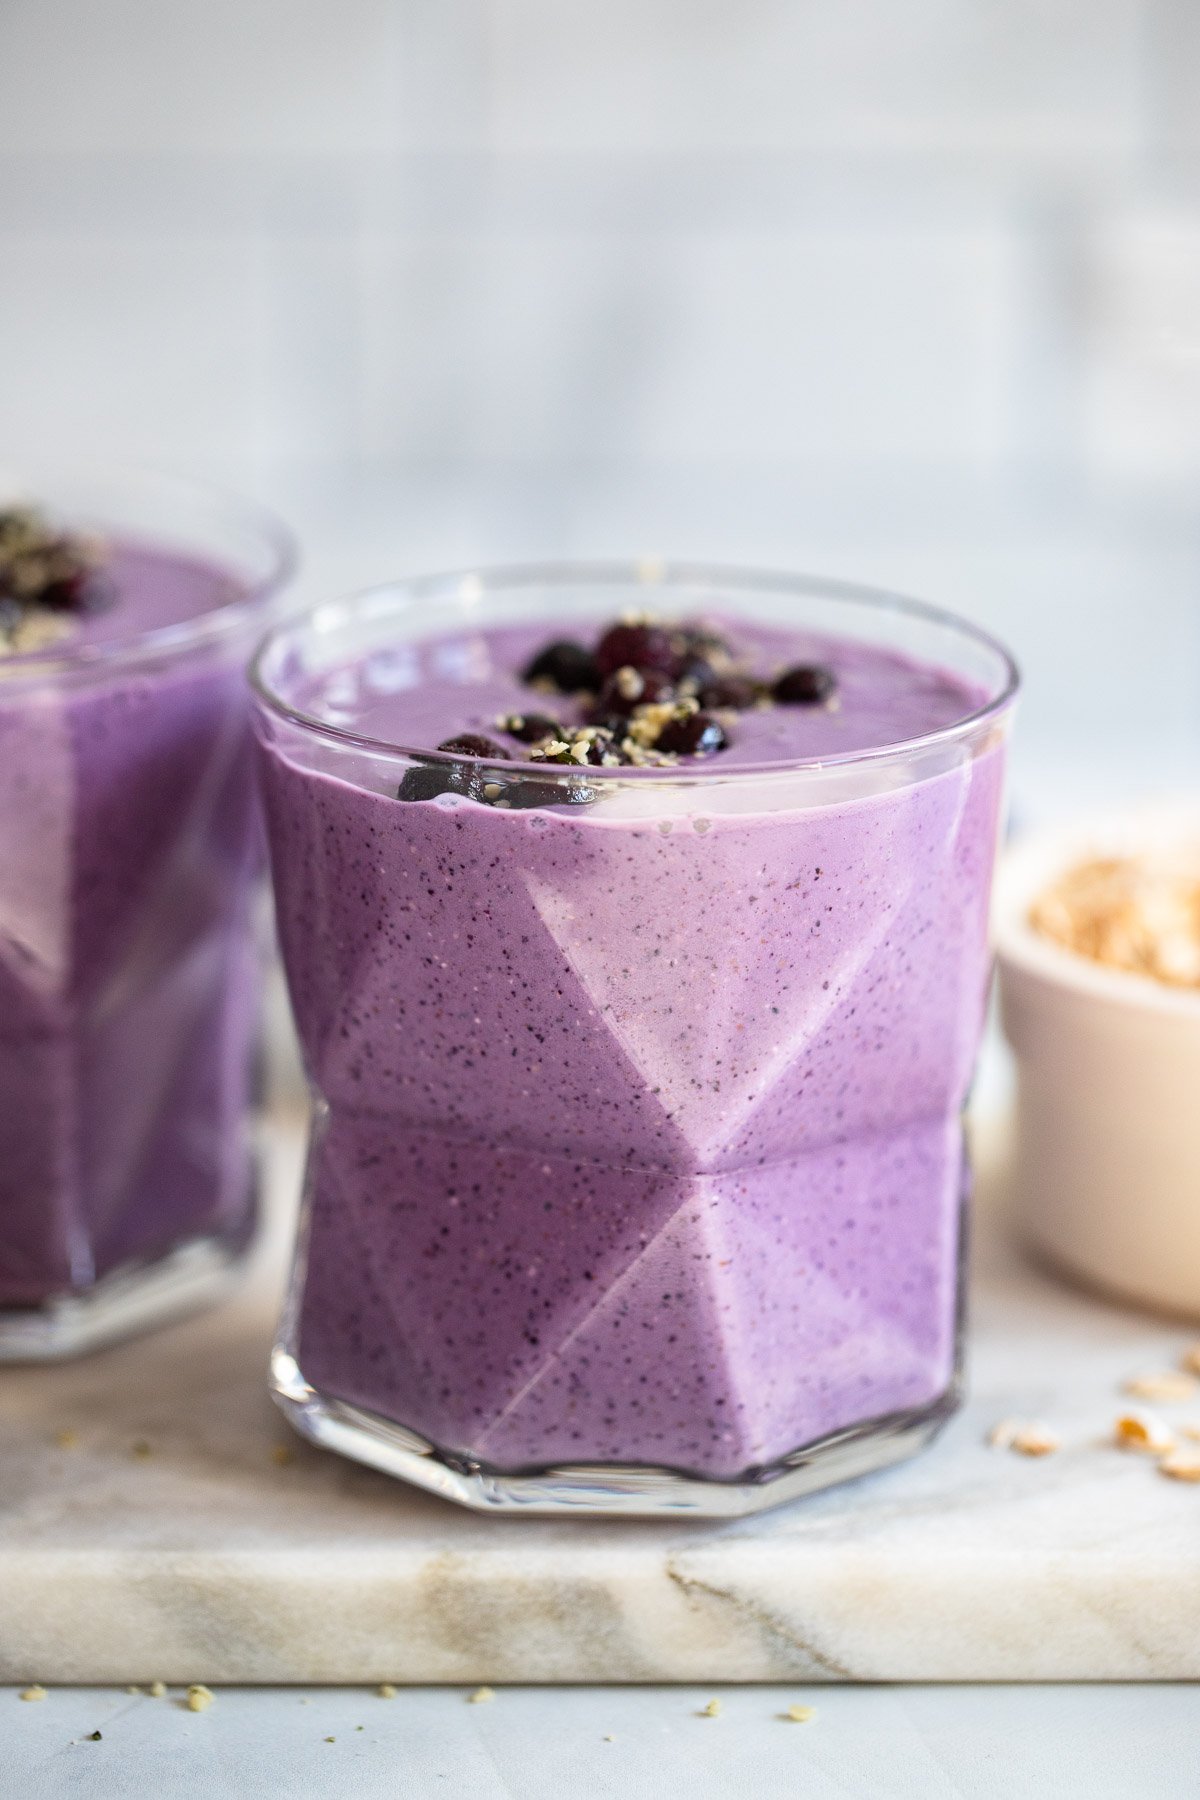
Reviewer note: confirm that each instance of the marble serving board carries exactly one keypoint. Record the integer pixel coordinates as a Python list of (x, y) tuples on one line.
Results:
[(160, 1537)]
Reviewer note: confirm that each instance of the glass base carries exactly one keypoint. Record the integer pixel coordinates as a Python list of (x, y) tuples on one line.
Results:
[(636, 1491), (130, 1300)]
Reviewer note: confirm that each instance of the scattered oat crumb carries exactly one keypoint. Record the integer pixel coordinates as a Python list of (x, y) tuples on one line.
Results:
[(1171, 1384), (1027, 1437), (199, 1697), (1190, 1360), (158, 1689), (386, 1691), (133, 1690), (1142, 1431), (66, 1440), (141, 1449), (800, 1715), (360, 1728), (305, 1700), (94, 1737), (281, 1454), (609, 1738), (711, 1711), (35, 1691), (481, 1695), (1181, 1465), (330, 1740)]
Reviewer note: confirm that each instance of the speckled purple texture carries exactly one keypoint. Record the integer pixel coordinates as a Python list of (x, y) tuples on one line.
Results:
[(639, 1144), (128, 853)]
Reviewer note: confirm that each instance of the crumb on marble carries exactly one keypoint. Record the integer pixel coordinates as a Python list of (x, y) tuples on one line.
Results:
[(609, 1738), (35, 1691), (1026, 1437), (386, 1691), (158, 1689), (711, 1711), (1142, 1431), (94, 1737), (1168, 1384), (330, 1740), (481, 1696), (1181, 1465), (131, 1689), (199, 1698)]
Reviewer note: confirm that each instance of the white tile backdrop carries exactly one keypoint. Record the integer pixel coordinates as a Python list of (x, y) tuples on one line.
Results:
[(902, 289)]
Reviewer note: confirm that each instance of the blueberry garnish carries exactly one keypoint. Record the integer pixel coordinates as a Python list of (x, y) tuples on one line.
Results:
[(636, 647), (523, 794), (43, 567), (692, 734), (566, 666), (530, 728), (737, 693), (627, 688), (425, 782), (805, 685), (471, 743)]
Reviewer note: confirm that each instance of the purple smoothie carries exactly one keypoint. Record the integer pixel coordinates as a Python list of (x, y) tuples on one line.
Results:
[(639, 1126), (129, 851)]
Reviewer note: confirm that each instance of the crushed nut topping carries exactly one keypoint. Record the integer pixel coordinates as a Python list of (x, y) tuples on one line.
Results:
[(1140, 914), (46, 575), (1142, 1431), (1027, 1437)]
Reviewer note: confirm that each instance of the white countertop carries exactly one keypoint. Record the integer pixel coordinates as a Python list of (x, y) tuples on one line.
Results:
[(1116, 1742)]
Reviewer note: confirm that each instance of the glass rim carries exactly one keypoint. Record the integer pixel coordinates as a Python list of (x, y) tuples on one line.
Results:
[(155, 641), (477, 584)]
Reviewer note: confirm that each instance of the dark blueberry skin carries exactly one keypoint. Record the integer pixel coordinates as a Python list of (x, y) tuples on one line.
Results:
[(532, 728), (636, 647), (737, 692), (470, 743), (527, 793), (565, 665), (805, 685), (425, 782), (696, 734), (693, 673), (620, 694)]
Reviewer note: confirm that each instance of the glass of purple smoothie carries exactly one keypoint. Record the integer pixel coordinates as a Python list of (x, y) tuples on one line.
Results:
[(635, 922), (130, 858)]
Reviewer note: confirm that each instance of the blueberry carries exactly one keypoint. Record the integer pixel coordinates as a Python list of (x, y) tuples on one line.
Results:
[(694, 734), (470, 743), (531, 728), (805, 685), (425, 782), (626, 688), (525, 794), (636, 647), (738, 692), (565, 665)]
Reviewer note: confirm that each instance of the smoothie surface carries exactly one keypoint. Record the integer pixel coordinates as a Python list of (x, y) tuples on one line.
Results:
[(416, 695)]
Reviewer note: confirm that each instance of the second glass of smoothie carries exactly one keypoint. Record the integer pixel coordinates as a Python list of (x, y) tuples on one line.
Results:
[(635, 922), (130, 863)]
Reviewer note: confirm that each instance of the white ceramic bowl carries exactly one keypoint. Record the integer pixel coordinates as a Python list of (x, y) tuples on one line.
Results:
[(1106, 1154)]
